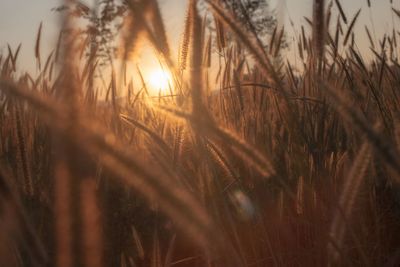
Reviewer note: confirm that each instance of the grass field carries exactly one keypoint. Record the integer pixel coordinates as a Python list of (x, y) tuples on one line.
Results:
[(280, 166)]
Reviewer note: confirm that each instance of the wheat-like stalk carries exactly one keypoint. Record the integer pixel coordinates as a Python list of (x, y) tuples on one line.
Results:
[(347, 201)]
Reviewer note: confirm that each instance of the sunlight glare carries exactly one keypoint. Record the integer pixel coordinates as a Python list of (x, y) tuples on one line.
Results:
[(160, 80)]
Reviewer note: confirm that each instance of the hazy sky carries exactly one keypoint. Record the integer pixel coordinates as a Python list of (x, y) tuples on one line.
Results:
[(20, 19)]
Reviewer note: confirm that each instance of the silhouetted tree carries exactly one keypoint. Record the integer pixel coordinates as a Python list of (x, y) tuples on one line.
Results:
[(100, 27), (256, 16)]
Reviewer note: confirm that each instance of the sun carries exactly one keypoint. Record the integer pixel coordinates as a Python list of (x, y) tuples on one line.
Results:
[(160, 80)]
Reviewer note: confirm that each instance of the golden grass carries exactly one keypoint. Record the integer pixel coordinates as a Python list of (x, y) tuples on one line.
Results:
[(278, 167)]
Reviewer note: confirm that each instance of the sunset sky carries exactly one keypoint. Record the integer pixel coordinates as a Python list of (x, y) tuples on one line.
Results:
[(20, 19)]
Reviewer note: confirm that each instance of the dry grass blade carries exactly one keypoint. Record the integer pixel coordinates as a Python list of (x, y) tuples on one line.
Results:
[(238, 89), (14, 57), (157, 139), (220, 33), (351, 26), (208, 53), (279, 42), (341, 11), (370, 37), (229, 172), (37, 45), (347, 200), (138, 243), (300, 196), (272, 41), (171, 247), (156, 254), (396, 11)]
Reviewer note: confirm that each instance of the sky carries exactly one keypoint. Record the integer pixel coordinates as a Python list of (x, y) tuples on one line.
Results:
[(20, 19)]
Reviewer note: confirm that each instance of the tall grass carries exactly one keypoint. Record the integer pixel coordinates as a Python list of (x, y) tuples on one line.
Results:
[(279, 166)]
